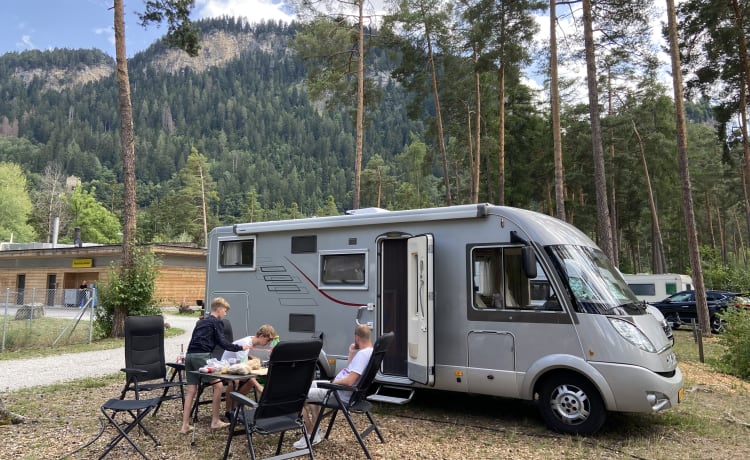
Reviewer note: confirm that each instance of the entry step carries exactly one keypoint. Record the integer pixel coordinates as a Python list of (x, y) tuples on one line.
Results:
[(392, 395)]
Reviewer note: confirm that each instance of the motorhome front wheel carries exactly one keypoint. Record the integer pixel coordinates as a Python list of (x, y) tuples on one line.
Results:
[(570, 404)]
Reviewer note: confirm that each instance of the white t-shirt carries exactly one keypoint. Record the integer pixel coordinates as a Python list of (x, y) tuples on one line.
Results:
[(238, 355), (358, 365)]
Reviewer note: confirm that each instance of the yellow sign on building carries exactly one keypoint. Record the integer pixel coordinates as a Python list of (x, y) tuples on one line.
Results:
[(83, 263)]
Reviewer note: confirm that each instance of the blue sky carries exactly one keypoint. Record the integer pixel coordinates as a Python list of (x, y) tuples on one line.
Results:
[(49, 24)]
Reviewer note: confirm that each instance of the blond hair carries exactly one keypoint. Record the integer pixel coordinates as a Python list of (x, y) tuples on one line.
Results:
[(362, 331), (219, 302), (266, 330)]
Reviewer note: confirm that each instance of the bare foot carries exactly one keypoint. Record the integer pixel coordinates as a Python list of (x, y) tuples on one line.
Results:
[(218, 425), (187, 430)]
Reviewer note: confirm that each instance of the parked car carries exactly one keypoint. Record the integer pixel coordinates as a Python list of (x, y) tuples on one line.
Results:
[(741, 301), (679, 308)]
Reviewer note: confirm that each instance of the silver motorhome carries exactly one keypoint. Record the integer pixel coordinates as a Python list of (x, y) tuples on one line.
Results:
[(483, 299)]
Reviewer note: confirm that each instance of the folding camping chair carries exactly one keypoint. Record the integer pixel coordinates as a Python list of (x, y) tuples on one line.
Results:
[(291, 368), (357, 403), (137, 409), (145, 366)]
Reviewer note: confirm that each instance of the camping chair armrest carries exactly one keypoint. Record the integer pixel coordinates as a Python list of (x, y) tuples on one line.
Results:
[(176, 366), (335, 386), (242, 399), (133, 372)]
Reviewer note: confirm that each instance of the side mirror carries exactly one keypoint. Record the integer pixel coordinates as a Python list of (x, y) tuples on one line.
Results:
[(528, 259)]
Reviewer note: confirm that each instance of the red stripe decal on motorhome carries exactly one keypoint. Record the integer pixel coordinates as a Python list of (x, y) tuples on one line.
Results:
[(327, 296)]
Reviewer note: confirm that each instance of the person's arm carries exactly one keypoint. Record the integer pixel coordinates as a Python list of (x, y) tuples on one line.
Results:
[(350, 379), (223, 342), (356, 366), (352, 352)]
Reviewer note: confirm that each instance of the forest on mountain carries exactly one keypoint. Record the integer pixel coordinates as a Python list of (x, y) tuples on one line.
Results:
[(254, 137)]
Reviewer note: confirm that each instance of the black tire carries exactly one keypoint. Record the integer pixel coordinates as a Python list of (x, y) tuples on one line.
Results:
[(571, 404)]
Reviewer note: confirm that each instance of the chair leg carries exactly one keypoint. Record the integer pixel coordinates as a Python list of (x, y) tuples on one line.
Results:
[(137, 417), (321, 415), (373, 426), (356, 433), (232, 425)]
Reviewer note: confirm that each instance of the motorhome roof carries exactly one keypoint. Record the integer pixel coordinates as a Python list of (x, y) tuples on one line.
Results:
[(538, 227), (410, 215)]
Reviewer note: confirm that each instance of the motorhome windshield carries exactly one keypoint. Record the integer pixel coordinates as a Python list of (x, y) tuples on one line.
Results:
[(593, 282)]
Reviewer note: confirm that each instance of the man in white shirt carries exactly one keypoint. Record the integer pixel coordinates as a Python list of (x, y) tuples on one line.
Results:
[(359, 355)]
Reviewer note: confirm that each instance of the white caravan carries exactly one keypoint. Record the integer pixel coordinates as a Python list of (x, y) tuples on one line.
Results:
[(655, 288), (483, 299)]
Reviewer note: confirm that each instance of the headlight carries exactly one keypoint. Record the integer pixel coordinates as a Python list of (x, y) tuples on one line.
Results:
[(632, 334)]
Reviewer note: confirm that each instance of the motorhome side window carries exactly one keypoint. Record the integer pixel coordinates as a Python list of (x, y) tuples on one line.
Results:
[(343, 270), (238, 254), (499, 282)]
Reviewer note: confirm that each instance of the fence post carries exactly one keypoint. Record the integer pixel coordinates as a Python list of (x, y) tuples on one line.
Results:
[(91, 314), (5, 318)]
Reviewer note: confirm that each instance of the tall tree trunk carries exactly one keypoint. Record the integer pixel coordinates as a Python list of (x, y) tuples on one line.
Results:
[(658, 259), (682, 154), (501, 134), (555, 108), (613, 183), (473, 167), (740, 26), (710, 219), (478, 135), (488, 177), (745, 155), (127, 142), (203, 207), (360, 106), (438, 117), (604, 229)]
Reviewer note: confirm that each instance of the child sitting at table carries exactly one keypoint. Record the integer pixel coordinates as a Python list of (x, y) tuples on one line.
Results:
[(266, 333)]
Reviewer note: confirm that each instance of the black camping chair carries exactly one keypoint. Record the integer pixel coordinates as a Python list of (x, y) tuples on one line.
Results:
[(145, 366), (357, 403), (137, 410), (279, 409)]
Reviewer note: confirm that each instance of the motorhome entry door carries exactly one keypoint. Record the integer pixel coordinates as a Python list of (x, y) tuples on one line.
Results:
[(421, 298)]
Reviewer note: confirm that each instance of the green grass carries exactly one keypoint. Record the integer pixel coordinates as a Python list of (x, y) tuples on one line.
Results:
[(34, 339), (687, 349)]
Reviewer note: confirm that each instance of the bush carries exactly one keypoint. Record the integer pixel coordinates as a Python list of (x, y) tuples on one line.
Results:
[(133, 289), (736, 341)]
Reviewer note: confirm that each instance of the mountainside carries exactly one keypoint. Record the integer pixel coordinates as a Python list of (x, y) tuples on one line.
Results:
[(241, 102), (58, 69)]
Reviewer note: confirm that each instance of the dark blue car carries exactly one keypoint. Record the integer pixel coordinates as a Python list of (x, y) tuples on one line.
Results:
[(679, 308)]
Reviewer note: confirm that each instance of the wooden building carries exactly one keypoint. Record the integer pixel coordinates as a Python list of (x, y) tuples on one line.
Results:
[(52, 276)]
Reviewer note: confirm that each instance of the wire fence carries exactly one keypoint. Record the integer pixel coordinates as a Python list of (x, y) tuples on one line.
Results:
[(39, 318)]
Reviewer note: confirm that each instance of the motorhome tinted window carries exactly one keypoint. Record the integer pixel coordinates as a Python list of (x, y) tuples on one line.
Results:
[(500, 282), (237, 253), (645, 288), (343, 269), (304, 244)]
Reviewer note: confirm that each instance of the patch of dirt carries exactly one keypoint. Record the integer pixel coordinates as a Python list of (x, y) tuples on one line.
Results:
[(700, 376)]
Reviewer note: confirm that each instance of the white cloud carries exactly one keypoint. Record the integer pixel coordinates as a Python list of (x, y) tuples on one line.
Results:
[(107, 32), (254, 10), (25, 43)]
